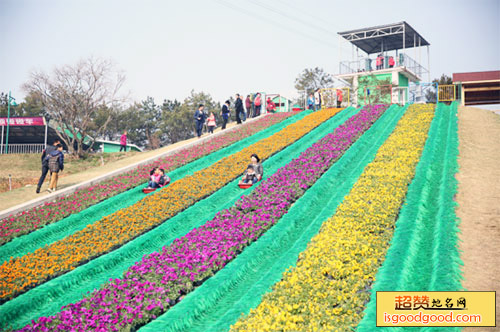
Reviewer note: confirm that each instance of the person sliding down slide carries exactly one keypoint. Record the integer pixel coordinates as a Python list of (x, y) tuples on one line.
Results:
[(254, 169), (157, 179), (250, 176)]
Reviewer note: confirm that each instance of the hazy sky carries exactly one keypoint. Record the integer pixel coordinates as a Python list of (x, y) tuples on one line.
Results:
[(166, 48)]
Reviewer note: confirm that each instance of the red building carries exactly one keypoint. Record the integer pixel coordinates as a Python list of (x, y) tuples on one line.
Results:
[(479, 88)]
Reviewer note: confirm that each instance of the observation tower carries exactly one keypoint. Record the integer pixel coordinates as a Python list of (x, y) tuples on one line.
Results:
[(384, 71)]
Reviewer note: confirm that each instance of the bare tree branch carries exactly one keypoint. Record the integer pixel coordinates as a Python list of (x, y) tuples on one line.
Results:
[(73, 95)]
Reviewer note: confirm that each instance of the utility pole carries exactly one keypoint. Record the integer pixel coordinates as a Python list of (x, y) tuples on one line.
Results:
[(10, 98), (8, 124)]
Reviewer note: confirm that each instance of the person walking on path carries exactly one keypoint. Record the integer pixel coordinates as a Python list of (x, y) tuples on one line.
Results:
[(45, 164), (225, 114), (248, 106), (55, 161), (123, 142), (258, 104), (243, 115), (317, 99), (238, 108), (211, 123), (199, 117), (252, 99)]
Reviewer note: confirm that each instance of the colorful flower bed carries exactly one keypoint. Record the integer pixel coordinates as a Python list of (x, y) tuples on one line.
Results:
[(19, 274), (158, 281), (423, 255), (218, 303), (32, 219), (329, 287)]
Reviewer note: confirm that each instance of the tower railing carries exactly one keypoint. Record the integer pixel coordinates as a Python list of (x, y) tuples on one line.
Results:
[(367, 64)]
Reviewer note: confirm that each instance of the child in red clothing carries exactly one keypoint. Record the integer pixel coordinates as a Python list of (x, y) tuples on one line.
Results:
[(271, 106), (211, 123)]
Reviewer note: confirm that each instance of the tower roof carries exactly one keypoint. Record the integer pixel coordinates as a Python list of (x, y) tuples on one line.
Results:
[(391, 35)]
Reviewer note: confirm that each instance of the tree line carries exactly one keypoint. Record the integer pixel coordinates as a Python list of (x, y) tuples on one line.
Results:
[(85, 100), (149, 125)]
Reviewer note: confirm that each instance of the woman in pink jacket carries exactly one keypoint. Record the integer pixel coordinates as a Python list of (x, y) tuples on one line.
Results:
[(258, 104), (123, 142)]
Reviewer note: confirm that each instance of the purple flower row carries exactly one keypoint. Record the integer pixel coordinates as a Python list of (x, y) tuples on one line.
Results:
[(161, 279)]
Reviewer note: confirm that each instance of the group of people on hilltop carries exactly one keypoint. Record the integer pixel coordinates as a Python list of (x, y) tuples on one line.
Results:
[(243, 109), (314, 101), (251, 108)]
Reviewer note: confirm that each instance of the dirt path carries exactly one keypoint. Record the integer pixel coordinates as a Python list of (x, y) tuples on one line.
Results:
[(479, 200), (15, 197)]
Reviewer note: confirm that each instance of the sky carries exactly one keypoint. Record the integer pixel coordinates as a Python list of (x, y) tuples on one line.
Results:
[(222, 47)]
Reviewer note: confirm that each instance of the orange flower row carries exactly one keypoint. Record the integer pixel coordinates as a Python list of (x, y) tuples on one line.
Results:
[(19, 274)]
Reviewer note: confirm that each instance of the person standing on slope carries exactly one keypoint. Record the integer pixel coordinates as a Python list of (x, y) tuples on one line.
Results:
[(199, 117), (238, 108), (45, 163), (123, 142)]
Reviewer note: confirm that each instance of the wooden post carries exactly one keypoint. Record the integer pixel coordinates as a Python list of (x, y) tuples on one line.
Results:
[(462, 96)]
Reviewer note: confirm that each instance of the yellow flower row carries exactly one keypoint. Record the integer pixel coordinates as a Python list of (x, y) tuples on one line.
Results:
[(329, 287), (19, 274)]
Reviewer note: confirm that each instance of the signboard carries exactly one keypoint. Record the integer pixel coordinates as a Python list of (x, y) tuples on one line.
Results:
[(25, 121)]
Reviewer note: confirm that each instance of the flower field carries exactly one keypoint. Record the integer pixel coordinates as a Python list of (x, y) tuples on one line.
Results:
[(35, 218), (334, 274), (20, 273), (304, 249)]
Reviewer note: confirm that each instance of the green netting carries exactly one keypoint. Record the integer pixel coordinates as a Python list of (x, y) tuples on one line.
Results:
[(48, 298), (423, 254), (51, 233), (239, 286)]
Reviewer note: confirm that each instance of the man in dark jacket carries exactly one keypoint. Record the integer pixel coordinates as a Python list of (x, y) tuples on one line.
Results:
[(45, 163), (225, 114), (199, 117), (238, 108)]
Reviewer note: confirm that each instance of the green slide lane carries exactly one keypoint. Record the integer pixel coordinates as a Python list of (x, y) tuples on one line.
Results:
[(48, 298), (423, 255), (239, 286), (54, 232)]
